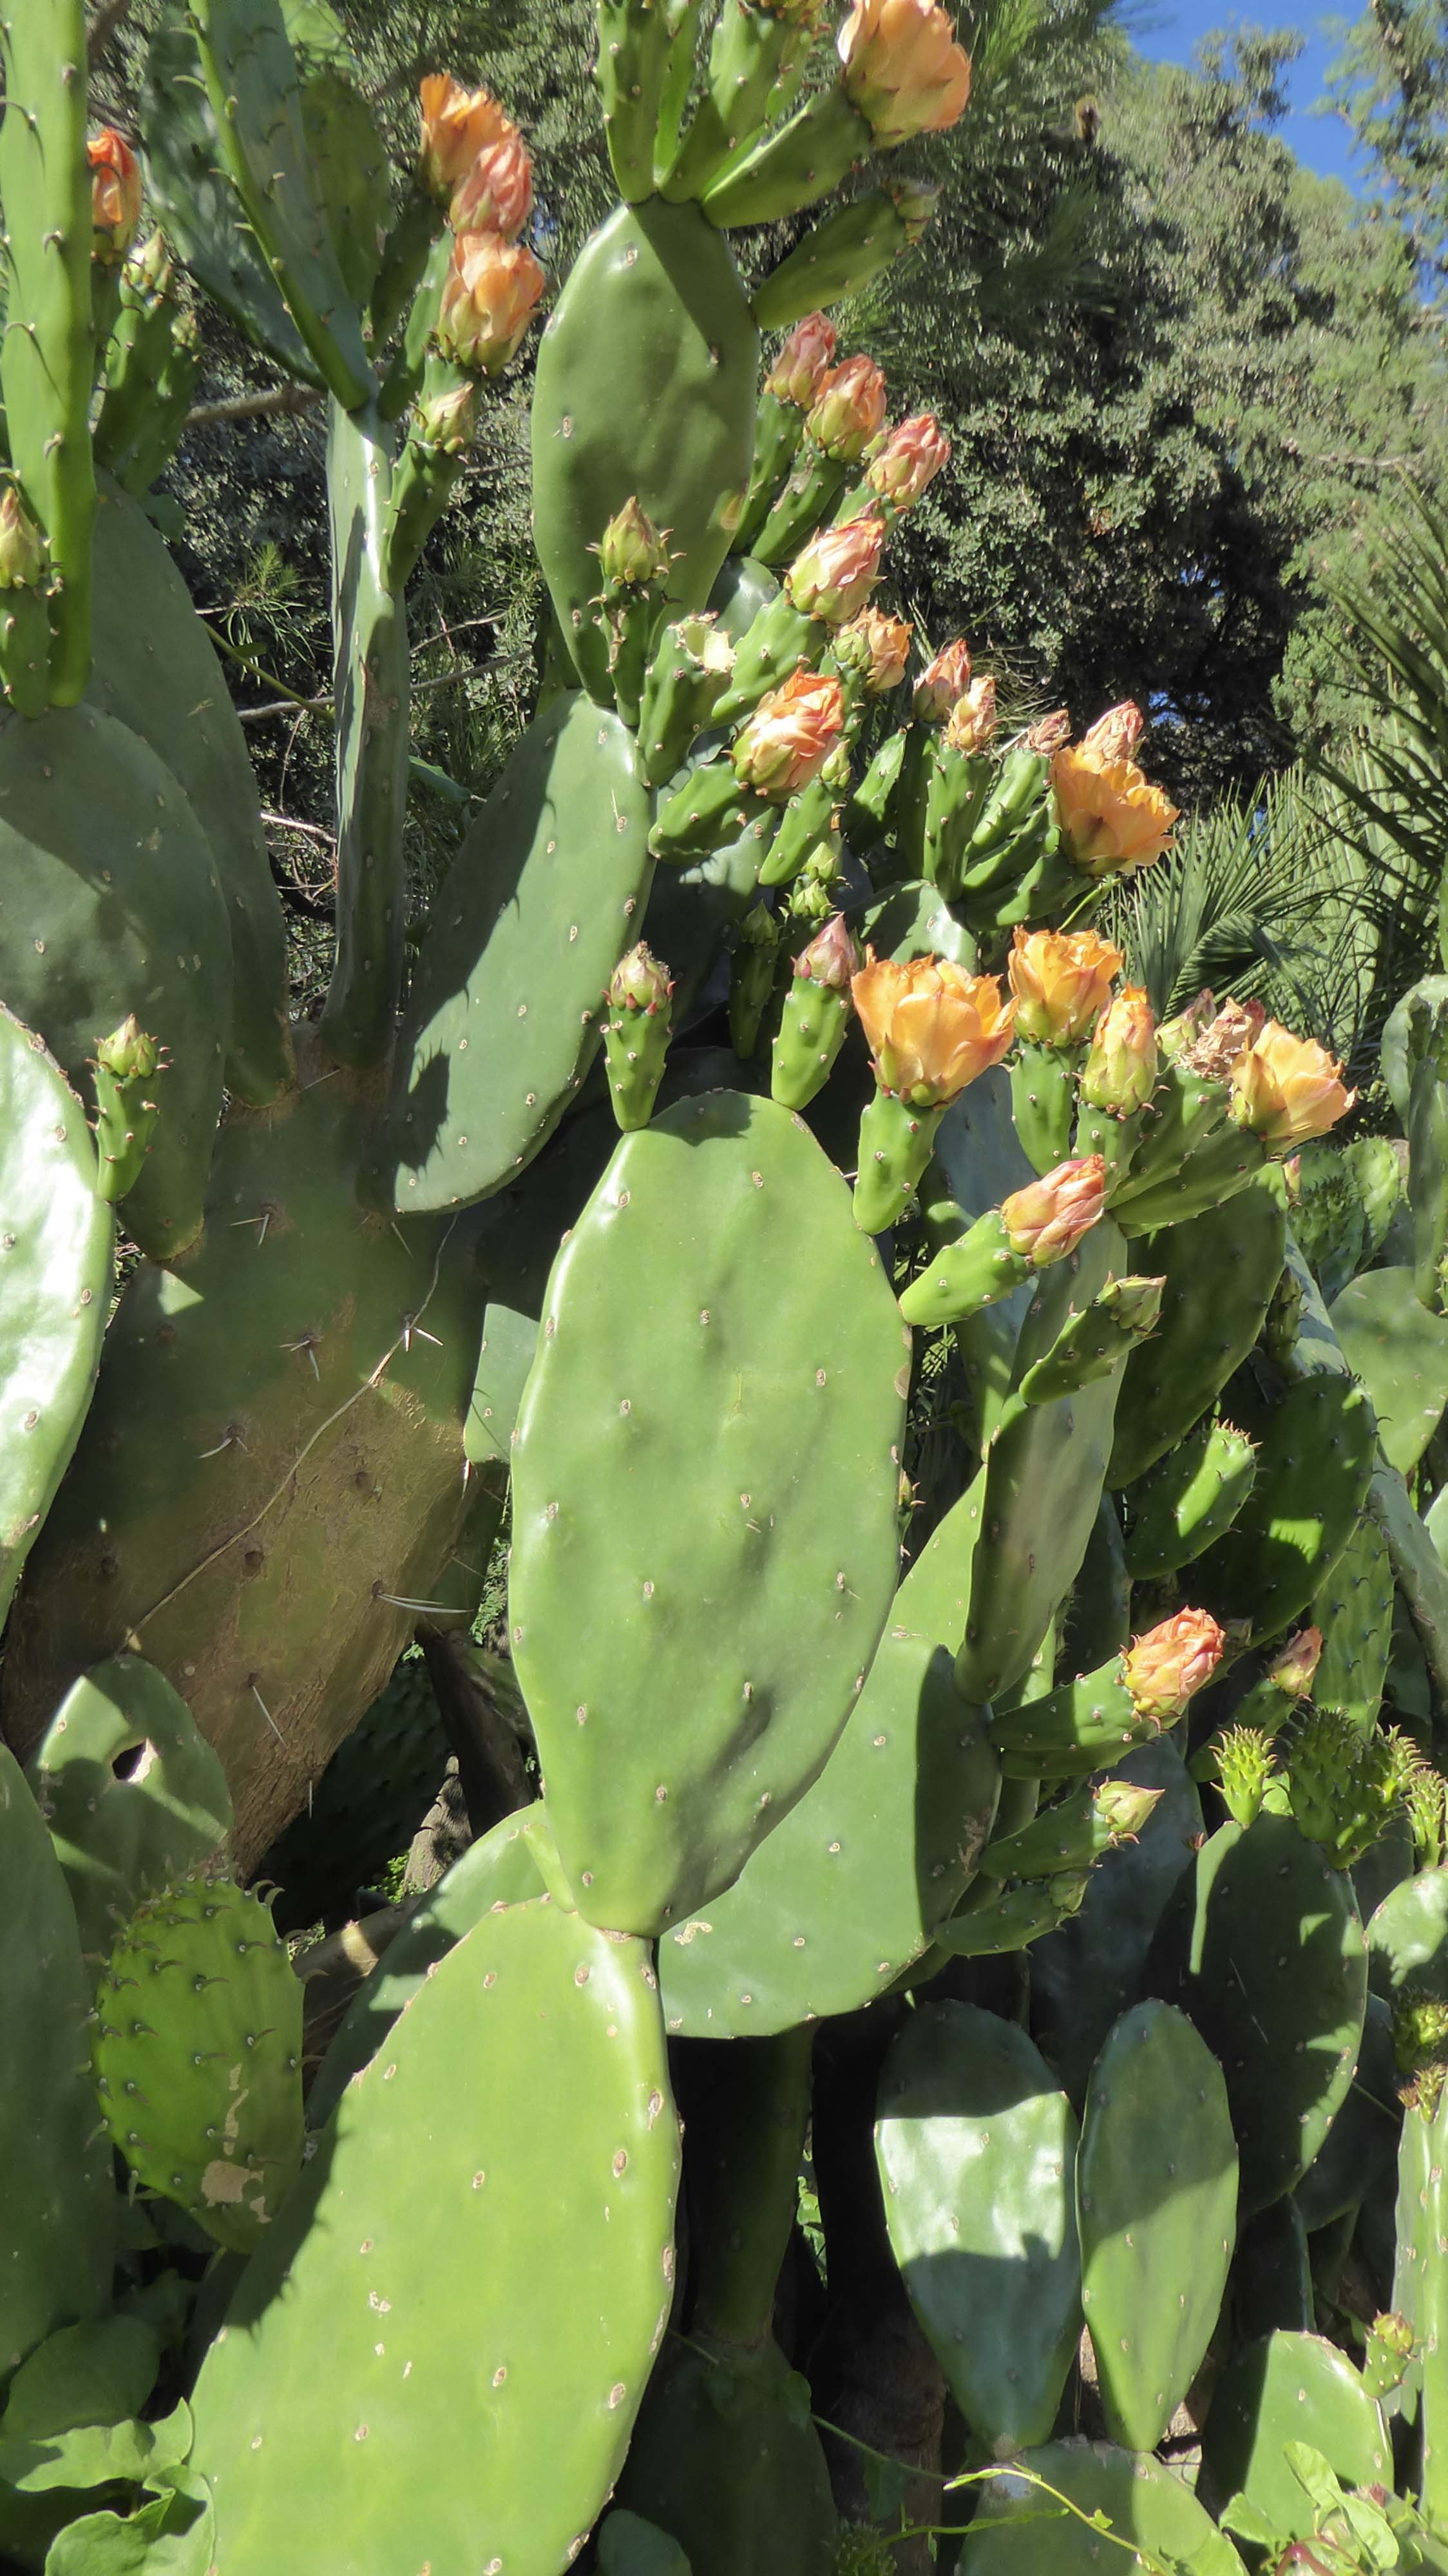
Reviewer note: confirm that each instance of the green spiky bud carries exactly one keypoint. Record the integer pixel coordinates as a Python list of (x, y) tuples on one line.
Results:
[(1245, 1766), (633, 552), (1420, 2030), (1343, 1785), (128, 1053), (126, 1065), (22, 547), (1124, 1808), (1424, 1800)]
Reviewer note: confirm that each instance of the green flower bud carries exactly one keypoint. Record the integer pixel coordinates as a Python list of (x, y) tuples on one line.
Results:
[(633, 552), (22, 547)]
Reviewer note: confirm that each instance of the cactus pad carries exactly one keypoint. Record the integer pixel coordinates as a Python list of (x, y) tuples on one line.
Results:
[(1290, 2388), (688, 1672), (1353, 1609), (1019, 2531), (1220, 1271), (1314, 1464), (546, 893), (412, 2256), (198, 2056), (1399, 1350)]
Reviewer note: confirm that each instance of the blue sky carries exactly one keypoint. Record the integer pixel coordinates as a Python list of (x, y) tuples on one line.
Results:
[(1167, 31)]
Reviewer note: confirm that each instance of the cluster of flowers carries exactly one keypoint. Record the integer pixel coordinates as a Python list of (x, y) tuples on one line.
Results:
[(474, 161)]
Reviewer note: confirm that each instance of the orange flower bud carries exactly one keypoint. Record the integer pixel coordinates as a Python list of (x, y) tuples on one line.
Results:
[(876, 648), (903, 70), (930, 1027), (910, 458), (848, 410), (832, 957), (1048, 733), (943, 682), (1047, 1219), (1293, 1666), (803, 362), (1062, 983), (1287, 1089), (1120, 1071), (488, 297), (1113, 819), (790, 735), (972, 719), (835, 573), (1166, 1667), (1115, 735), (457, 124), (115, 196), (496, 194)]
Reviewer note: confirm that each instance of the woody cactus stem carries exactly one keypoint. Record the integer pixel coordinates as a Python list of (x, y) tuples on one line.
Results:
[(371, 685)]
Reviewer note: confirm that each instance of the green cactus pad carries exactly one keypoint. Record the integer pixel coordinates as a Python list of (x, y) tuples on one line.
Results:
[(197, 2046), (1019, 2531), (57, 2213), (629, 2546), (1408, 1936), (412, 2257), (1090, 1971), (55, 1286), (1220, 1271), (1290, 2388), (110, 902), (976, 2151), (727, 2459), (546, 893), (688, 1673), (1314, 1466), (847, 1893), (1420, 2224), (1358, 2152), (1399, 1351), (645, 386), (1262, 1946), (1189, 1498), (124, 1835), (1043, 1485), (272, 1466), (1353, 1609), (1156, 2206), (155, 669)]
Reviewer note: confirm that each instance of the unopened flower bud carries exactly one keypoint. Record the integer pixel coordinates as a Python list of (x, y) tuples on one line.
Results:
[(22, 547), (803, 363), (848, 410), (972, 719), (790, 735), (1286, 1089), (1124, 1808), (1133, 1305), (639, 982), (488, 298), (1062, 983), (1166, 1667), (633, 552), (1120, 1071), (150, 270), (448, 419), (1293, 1666), (1047, 1219), (115, 196), (874, 649), (833, 576), (456, 125), (907, 460), (1115, 735), (496, 194), (833, 957), (902, 68), (1048, 734), (943, 682), (129, 1053), (931, 1028), (915, 201)]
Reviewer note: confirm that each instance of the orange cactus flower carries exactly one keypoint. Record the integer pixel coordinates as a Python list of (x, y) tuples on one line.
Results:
[(902, 68), (790, 735), (496, 193), (972, 719), (1287, 1089), (1062, 983), (1047, 1219), (456, 125), (930, 1027), (488, 298), (911, 457), (848, 410), (943, 682), (833, 576), (1166, 1667), (1120, 1071), (115, 196), (804, 362), (1112, 817)]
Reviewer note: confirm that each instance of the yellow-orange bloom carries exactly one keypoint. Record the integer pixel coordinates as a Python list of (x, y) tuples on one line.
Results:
[(1062, 983), (1287, 1089), (972, 719), (1113, 819), (943, 682), (1163, 1669), (1115, 735), (1120, 1071), (910, 458), (790, 735), (833, 576), (115, 195), (496, 194), (488, 297), (903, 70), (804, 361), (930, 1027), (848, 410), (457, 124), (1047, 1219)]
